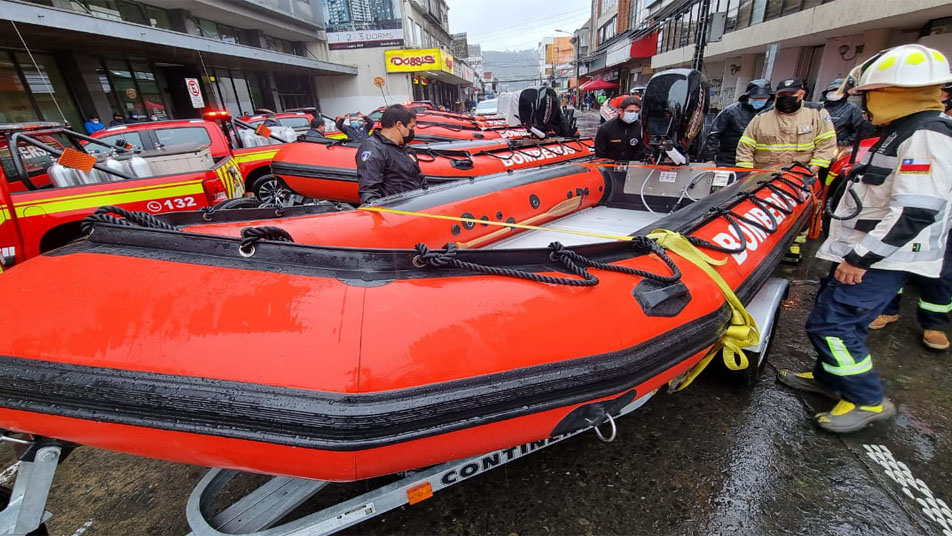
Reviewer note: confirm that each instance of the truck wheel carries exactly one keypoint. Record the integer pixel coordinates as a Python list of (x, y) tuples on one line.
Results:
[(271, 190)]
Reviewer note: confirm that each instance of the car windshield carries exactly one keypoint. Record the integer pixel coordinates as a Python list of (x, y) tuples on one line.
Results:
[(487, 107), (127, 138), (183, 138), (296, 123)]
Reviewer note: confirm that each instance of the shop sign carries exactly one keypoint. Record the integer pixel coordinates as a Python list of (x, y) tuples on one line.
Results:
[(195, 92), (416, 60)]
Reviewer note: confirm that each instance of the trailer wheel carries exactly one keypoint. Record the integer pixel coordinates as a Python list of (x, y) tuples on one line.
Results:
[(271, 190), (5, 494)]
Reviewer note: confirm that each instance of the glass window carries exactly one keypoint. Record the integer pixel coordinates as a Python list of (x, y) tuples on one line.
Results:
[(130, 102), (149, 88), (15, 105), (132, 13), (227, 93), (228, 34), (158, 17), (122, 138), (49, 89), (104, 9), (191, 26), (208, 29), (242, 93), (295, 122), (183, 138)]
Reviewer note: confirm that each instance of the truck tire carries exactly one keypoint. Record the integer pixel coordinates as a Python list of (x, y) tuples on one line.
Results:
[(271, 190)]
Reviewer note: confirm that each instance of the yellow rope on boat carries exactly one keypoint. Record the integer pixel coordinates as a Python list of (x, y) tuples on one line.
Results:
[(622, 238), (742, 331)]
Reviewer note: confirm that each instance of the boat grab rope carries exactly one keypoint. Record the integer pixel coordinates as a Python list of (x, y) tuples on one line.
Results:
[(120, 216), (575, 263), (208, 213), (742, 331), (251, 235)]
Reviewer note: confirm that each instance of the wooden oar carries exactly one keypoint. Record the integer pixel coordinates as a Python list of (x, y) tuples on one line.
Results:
[(562, 209)]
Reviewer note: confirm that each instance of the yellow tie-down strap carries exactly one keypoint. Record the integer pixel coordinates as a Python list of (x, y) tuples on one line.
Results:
[(742, 331)]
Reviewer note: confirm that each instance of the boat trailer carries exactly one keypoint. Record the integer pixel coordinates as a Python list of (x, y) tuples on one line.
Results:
[(256, 513)]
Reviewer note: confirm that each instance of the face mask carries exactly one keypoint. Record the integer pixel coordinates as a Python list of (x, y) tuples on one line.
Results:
[(788, 104), (833, 95), (409, 137), (95, 120), (630, 117), (757, 103), (355, 124), (888, 104)]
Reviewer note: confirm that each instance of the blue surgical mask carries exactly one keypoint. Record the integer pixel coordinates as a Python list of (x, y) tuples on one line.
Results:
[(630, 117), (757, 103)]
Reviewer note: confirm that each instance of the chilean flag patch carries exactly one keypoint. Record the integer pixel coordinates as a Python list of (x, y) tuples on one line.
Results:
[(915, 165)]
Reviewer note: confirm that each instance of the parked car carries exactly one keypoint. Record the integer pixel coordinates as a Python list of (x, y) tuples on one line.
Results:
[(43, 201), (488, 106)]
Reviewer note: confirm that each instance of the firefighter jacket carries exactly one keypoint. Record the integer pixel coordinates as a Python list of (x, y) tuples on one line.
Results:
[(774, 138), (904, 185), (385, 168), (728, 127), (847, 120)]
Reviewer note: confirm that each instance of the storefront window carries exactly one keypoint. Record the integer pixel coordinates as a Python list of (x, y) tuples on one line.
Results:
[(49, 89), (242, 93), (149, 88), (125, 89), (15, 105)]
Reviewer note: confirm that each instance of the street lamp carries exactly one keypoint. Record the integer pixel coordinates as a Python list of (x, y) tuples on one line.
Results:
[(574, 41)]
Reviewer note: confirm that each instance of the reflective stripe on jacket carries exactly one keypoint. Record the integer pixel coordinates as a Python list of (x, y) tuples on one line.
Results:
[(773, 138), (904, 184)]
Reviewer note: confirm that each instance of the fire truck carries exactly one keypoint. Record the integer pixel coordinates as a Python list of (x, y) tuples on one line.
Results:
[(51, 178)]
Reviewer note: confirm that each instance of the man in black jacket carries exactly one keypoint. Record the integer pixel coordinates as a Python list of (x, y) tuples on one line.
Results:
[(316, 132), (729, 125), (620, 137), (356, 127), (847, 117), (386, 165)]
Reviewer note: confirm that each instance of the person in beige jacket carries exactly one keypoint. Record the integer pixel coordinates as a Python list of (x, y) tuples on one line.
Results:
[(793, 130)]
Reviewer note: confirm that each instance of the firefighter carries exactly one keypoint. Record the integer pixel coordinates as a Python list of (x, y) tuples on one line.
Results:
[(847, 117), (729, 125), (793, 131), (896, 223), (386, 165), (620, 137)]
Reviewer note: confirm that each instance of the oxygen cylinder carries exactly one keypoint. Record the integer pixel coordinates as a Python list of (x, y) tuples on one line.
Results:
[(139, 166), (116, 166), (62, 176)]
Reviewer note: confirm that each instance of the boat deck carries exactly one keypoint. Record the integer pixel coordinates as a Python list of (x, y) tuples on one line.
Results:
[(607, 220)]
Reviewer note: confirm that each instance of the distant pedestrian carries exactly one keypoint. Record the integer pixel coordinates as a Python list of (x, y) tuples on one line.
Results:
[(270, 121), (589, 99), (116, 120), (93, 125)]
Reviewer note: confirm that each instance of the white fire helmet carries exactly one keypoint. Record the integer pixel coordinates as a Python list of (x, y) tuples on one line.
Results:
[(902, 66)]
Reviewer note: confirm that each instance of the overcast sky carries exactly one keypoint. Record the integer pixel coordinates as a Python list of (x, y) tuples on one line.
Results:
[(515, 24)]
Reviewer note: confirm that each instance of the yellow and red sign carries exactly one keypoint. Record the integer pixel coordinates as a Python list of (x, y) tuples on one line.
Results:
[(418, 59)]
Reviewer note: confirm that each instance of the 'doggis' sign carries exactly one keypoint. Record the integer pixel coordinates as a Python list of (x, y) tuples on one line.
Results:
[(412, 60)]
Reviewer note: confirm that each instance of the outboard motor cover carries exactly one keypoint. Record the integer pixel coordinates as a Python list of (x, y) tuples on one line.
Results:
[(673, 110), (539, 109)]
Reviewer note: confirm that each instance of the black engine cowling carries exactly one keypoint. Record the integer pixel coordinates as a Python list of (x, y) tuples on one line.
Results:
[(674, 106)]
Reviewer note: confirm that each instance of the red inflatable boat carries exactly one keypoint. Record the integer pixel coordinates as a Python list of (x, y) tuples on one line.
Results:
[(338, 346), (328, 169)]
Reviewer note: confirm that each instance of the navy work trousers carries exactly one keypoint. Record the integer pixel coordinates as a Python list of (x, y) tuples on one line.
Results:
[(935, 295), (837, 327)]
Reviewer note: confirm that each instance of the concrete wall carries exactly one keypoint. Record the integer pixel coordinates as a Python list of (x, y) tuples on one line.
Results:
[(345, 94), (832, 64)]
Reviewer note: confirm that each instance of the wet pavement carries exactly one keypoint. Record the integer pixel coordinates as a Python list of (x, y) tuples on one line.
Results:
[(714, 459)]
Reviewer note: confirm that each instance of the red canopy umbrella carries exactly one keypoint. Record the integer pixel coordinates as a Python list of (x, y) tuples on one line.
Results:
[(598, 84)]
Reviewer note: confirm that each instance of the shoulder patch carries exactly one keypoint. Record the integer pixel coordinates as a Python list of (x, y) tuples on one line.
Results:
[(365, 156)]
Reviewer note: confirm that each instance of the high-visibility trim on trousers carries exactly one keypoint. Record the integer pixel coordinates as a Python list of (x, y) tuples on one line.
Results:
[(847, 365), (934, 307)]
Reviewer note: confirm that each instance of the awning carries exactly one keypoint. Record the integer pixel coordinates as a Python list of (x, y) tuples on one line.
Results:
[(598, 84), (645, 47)]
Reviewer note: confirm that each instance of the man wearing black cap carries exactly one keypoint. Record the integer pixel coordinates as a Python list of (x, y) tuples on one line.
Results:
[(793, 131), (729, 125)]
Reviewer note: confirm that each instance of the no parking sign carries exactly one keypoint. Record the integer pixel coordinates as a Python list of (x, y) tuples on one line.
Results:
[(195, 92)]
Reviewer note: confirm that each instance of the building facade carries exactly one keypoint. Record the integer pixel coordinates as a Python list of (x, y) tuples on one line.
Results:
[(816, 40), (556, 60), (119, 56), (420, 65)]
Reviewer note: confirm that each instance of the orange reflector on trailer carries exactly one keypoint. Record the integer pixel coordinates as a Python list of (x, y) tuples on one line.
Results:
[(72, 158), (420, 492)]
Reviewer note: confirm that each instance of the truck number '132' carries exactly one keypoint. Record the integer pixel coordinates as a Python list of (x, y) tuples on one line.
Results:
[(171, 204)]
